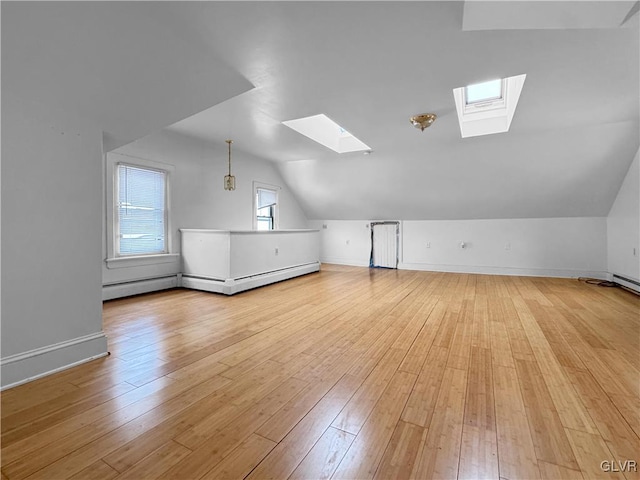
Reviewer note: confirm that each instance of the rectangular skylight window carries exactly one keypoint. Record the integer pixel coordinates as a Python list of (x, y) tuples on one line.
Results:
[(325, 131), (487, 108), (483, 92)]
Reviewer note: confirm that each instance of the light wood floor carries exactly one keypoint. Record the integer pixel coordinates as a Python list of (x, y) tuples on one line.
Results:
[(348, 373)]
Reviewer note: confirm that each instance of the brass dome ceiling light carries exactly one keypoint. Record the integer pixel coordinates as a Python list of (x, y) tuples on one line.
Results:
[(423, 120)]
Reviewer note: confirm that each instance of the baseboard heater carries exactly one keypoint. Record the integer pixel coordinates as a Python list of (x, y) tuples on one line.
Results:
[(126, 289), (231, 286), (627, 282)]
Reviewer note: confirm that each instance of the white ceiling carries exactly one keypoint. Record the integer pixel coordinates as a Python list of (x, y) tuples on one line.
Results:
[(370, 66)]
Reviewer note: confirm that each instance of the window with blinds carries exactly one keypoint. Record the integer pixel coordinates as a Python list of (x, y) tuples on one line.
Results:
[(141, 211), (266, 205)]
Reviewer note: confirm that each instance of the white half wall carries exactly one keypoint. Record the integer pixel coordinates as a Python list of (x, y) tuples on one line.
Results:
[(229, 262), (623, 227), (559, 247)]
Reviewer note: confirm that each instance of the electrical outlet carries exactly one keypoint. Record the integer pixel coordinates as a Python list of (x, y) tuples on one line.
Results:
[(348, 241), (507, 246), (277, 251), (324, 226), (428, 244)]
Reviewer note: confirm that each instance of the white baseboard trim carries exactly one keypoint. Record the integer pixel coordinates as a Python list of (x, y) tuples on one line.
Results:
[(515, 271), (230, 286), (345, 261), (119, 290), (26, 366)]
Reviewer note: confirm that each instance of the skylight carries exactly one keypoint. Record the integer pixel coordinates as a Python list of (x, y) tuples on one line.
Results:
[(328, 133), (483, 92), (487, 108)]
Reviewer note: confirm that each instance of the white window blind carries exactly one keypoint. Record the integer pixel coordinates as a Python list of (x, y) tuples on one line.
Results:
[(266, 198), (141, 211)]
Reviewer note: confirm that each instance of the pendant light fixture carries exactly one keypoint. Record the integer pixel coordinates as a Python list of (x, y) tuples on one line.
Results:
[(229, 180)]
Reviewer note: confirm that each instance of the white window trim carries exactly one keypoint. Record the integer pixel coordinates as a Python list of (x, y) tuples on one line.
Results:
[(276, 213), (113, 260)]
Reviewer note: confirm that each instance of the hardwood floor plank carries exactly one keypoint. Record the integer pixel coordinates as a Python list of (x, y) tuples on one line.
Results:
[(288, 454), (481, 336), (370, 359), (233, 405), (460, 350), (422, 400), (324, 457), (623, 442), (418, 352), (293, 412), (365, 453), (243, 459), (518, 341), (479, 406), (554, 328), (547, 431), (354, 414), (157, 462), (231, 435), (478, 454), (479, 451), (591, 451), (549, 471), (96, 471), (569, 406), (629, 408), (401, 453), (612, 365), (516, 452), (501, 353), (440, 450)]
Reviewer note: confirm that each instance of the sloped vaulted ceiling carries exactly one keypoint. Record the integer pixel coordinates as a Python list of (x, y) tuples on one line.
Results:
[(112, 63), (371, 65)]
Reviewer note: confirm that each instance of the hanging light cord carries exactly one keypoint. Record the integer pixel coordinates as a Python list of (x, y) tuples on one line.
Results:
[(229, 142)]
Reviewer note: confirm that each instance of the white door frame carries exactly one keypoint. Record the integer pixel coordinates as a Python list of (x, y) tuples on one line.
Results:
[(396, 246)]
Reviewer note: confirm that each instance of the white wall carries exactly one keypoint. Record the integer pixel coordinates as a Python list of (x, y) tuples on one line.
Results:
[(51, 304), (198, 199), (566, 247), (345, 242), (623, 227), (255, 253)]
